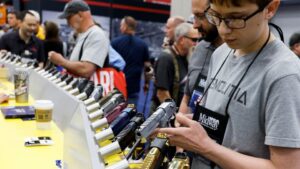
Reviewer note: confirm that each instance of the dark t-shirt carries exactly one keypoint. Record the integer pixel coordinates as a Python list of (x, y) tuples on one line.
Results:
[(135, 52), (33, 49), (51, 45), (165, 74)]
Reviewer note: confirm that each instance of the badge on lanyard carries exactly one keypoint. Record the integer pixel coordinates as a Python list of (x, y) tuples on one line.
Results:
[(214, 123), (197, 91)]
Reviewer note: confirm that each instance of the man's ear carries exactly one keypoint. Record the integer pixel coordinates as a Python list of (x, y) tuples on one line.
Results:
[(296, 45), (180, 40), (80, 14), (272, 8)]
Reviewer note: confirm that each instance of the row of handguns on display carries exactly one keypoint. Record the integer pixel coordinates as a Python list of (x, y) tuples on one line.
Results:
[(112, 119)]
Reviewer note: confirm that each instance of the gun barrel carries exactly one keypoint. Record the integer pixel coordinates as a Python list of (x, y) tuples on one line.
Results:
[(155, 157)]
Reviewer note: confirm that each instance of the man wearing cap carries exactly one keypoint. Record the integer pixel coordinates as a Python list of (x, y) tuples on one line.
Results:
[(91, 49), (295, 43), (39, 31)]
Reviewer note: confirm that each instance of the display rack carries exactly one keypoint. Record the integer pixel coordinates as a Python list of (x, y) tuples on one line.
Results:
[(80, 150)]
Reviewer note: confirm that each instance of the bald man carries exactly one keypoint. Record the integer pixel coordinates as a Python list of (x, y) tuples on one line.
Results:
[(170, 26)]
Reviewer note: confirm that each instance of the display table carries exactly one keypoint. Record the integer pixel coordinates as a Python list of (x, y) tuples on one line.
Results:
[(13, 153), (71, 132)]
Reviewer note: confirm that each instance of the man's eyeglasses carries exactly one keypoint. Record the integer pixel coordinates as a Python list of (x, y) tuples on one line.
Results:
[(192, 39), (233, 23)]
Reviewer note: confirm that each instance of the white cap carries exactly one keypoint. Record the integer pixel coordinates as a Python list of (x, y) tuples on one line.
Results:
[(36, 15)]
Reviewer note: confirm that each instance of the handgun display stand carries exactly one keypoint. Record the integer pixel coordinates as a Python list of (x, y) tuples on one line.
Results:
[(69, 114)]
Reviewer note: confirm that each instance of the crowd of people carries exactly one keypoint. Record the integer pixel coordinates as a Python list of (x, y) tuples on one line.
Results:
[(236, 84)]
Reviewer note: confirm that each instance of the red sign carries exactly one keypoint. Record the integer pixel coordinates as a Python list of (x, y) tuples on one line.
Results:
[(165, 2)]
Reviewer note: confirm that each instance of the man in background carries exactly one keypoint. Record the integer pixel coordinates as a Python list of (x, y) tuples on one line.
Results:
[(295, 43), (136, 55), (23, 42), (170, 26), (199, 63), (91, 49), (172, 64), (39, 32), (13, 20)]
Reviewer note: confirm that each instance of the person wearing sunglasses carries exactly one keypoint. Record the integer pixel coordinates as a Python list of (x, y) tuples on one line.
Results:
[(249, 116), (171, 66)]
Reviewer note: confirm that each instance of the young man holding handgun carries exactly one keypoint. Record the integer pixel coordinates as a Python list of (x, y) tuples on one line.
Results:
[(252, 89)]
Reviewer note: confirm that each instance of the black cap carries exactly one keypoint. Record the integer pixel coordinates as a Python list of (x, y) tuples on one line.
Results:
[(74, 7)]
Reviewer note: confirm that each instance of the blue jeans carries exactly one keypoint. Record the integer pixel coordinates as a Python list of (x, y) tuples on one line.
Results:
[(133, 99)]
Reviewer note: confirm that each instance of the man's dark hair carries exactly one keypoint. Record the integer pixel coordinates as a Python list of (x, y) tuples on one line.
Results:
[(295, 38), (16, 13), (23, 14), (13, 12), (51, 30), (130, 22), (260, 3)]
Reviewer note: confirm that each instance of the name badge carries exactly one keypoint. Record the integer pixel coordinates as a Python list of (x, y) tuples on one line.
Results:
[(197, 92), (194, 99), (214, 123)]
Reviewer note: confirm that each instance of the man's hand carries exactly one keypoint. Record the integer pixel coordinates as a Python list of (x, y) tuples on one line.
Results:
[(191, 136), (177, 124), (148, 73), (3, 97), (56, 58), (148, 76)]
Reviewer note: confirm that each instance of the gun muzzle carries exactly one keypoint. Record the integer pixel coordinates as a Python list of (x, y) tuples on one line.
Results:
[(95, 96), (180, 161), (119, 165), (87, 91), (162, 115), (155, 157)]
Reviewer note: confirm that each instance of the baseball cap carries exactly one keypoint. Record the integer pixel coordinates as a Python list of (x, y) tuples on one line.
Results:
[(74, 7)]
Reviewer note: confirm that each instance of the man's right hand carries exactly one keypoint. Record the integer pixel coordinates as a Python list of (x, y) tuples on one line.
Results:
[(56, 58)]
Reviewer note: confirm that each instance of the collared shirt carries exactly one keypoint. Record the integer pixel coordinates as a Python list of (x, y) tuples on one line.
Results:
[(33, 49)]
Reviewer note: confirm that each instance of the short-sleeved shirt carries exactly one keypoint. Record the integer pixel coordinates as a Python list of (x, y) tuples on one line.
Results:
[(95, 47), (135, 52), (32, 50), (198, 63), (165, 74), (264, 110)]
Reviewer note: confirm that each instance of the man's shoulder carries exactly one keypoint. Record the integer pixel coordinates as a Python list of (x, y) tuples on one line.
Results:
[(166, 54), (140, 41), (36, 39), (281, 61), (96, 32), (118, 39), (11, 35), (121, 38)]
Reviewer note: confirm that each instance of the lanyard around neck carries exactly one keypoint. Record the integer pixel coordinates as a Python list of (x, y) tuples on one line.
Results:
[(232, 94), (242, 78)]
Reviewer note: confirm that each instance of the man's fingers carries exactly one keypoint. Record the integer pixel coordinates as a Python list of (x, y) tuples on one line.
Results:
[(190, 116), (170, 131), (183, 120)]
